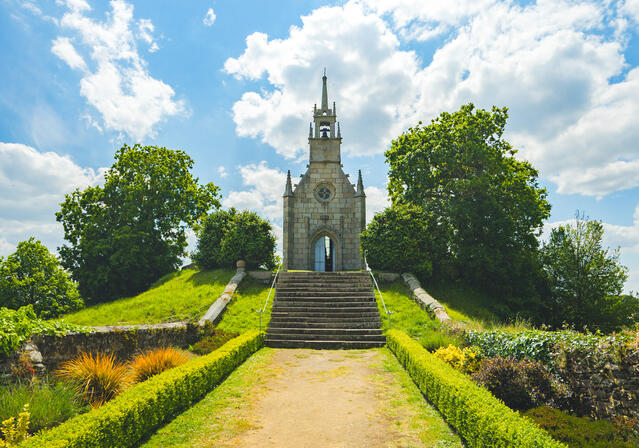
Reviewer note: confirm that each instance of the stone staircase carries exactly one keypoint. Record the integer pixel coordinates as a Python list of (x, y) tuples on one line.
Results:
[(324, 310)]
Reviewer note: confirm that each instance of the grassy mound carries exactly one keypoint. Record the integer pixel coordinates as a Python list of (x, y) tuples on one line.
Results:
[(183, 295)]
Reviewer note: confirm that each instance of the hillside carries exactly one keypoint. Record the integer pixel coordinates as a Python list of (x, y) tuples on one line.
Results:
[(183, 295)]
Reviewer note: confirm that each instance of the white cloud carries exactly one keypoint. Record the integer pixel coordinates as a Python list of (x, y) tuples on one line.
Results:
[(631, 8), (550, 62), (372, 81), (209, 18), (32, 185), (222, 172), (63, 48), (376, 201), (266, 187), (118, 83)]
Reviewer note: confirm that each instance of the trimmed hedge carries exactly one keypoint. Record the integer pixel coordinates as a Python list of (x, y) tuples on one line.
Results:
[(125, 420), (480, 418)]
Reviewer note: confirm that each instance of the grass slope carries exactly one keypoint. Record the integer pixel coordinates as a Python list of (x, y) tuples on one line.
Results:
[(240, 314), (183, 295), (409, 317)]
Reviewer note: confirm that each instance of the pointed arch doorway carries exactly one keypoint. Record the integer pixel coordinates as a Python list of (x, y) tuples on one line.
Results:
[(324, 254)]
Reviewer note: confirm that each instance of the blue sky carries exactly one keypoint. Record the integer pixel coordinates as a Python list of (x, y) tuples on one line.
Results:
[(233, 84)]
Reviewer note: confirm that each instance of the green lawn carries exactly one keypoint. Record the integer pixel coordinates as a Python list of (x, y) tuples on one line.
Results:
[(183, 295), (240, 314), (409, 317)]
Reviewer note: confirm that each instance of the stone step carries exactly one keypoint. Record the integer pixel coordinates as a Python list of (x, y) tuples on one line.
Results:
[(365, 308), (285, 317), (321, 331), (324, 303), (316, 344), (326, 312), (327, 337), (323, 293), (324, 299)]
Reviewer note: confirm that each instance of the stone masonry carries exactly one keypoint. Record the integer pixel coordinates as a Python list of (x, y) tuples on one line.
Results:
[(324, 203)]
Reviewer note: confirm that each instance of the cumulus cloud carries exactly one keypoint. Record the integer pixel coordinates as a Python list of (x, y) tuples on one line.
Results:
[(117, 82), (376, 201), (264, 193), (32, 185), (370, 78), (550, 62), (209, 18), (222, 172)]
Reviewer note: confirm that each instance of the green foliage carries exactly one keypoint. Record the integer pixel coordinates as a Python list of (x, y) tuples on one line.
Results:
[(409, 317), (17, 326), (132, 415), (402, 238), (488, 206), (585, 279), (466, 359), (538, 344), (481, 419), (583, 432), (212, 340), (127, 234), (49, 403), (226, 236), (15, 430), (521, 384), (33, 276), (96, 377), (182, 295)]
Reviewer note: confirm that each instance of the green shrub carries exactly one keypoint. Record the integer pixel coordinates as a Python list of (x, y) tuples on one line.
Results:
[(125, 420), (226, 236), (520, 384), (212, 341), (33, 276), (17, 326), (480, 418), (49, 403), (583, 432), (15, 430), (537, 344)]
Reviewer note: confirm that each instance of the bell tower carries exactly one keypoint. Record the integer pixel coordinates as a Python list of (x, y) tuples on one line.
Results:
[(324, 139), (324, 213)]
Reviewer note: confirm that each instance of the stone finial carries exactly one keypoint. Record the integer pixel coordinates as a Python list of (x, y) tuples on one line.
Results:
[(310, 130), (334, 108), (324, 92), (288, 191), (360, 185), (339, 131)]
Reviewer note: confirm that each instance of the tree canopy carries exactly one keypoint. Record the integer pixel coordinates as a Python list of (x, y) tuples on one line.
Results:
[(126, 234), (487, 203), (586, 279), (226, 236), (33, 276)]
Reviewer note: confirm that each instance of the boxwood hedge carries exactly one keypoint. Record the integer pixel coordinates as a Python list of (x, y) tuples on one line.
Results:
[(480, 418), (125, 420)]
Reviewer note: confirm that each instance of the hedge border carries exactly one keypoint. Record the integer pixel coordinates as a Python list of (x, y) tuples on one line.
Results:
[(480, 418), (124, 421)]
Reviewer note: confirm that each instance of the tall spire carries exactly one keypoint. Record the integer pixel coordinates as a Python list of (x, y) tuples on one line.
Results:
[(288, 191), (324, 92), (360, 184)]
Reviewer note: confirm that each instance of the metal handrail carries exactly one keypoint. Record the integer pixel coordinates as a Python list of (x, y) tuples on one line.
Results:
[(386, 310), (260, 311)]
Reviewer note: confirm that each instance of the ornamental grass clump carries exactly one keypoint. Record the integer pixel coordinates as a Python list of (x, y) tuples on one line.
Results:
[(96, 377), (148, 364)]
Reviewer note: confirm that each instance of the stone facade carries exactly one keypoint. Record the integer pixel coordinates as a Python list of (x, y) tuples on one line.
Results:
[(324, 203)]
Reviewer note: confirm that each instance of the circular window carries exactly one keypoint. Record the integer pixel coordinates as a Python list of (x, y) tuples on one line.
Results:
[(324, 192)]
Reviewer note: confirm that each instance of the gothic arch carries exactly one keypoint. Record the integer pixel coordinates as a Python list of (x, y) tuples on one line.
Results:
[(320, 233)]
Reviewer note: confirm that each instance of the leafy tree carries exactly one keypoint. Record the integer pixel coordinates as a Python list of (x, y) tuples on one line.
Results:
[(125, 235), (33, 276), (226, 236), (586, 279), (488, 204), (402, 238)]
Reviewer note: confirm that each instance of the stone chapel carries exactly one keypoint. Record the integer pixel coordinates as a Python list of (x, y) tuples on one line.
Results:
[(324, 213)]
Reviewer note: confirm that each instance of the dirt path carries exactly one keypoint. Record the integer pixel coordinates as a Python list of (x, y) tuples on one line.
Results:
[(312, 398)]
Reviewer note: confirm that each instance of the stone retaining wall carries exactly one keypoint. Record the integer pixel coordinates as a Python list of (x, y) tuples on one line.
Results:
[(603, 385)]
